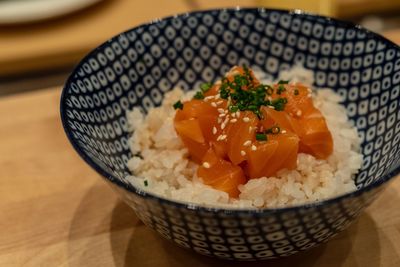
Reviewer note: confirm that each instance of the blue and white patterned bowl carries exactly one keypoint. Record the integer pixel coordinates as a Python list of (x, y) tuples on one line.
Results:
[(137, 67)]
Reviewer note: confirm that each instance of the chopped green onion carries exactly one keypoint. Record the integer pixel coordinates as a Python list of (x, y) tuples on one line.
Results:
[(273, 130), (296, 92), (224, 92), (145, 183), (269, 90), (261, 137), (279, 104), (198, 95), (233, 108), (205, 87), (283, 82), (178, 105), (281, 89)]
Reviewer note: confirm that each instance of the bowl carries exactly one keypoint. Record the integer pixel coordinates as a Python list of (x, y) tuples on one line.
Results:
[(136, 68)]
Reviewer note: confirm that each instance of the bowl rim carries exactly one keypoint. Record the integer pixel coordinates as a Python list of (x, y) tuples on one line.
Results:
[(206, 207)]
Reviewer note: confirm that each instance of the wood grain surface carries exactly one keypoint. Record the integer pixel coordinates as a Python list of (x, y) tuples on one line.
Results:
[(56, 211)]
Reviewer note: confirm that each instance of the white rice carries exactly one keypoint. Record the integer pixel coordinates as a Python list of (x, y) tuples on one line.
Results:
[(166, 170)]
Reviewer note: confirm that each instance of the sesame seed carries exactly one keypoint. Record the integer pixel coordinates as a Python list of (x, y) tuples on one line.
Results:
[(220, 102), (213, 104), (219, 120), (272, 107), (253, 148), (209, 97), (247, 143), (237, 114), (309, 90), (309, 95), (223, 137), (225, 121), (217, 96), (242, 152), (233, 120), (250, 129), (283, 131), (298, 113), (214, 130), (218, 83), (246, 119), (221, 110), (223, 125), (222, 115), (269, 98), (219, 137), (206, 165)]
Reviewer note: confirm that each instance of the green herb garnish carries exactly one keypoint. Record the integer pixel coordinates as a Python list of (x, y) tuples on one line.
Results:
[(273, 130), (178, 105), (280, 89), (279, 103), (199, 95), (283, 82), (205, 87), (233, 108), (261, 137), (145, 183), (296, 92)]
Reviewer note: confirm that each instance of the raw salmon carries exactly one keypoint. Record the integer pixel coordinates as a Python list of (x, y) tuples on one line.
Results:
[(240, 129)]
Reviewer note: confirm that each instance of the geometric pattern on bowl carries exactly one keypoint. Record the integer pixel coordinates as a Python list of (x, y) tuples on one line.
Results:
[(137, 67)]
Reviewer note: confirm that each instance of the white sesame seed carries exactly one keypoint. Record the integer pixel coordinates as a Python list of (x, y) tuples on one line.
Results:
[(283, 131), (223, 137), (269, 98), (272, 107), (246, 119), (219, 137), (213, 104), (298, 113), (247, 143), (220, 102), (250, 129), (214, 130), (309, 95), (233, 120), (216, 96), (219, 120), (253, 148), (233, 115), (223, 125), (309, 90), (225, 122), (206, 165), (222, 115), (242, 152), (221, 110), (209, 97), (218, 83), (238, 114)]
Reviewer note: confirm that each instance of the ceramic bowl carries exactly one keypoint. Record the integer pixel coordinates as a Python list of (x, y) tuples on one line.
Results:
[(137, 67)]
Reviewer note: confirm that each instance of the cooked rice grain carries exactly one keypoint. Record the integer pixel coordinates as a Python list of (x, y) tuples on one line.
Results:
[(164, 162)]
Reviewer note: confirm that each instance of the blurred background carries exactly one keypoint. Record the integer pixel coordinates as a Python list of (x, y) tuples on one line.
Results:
[(42, 40)]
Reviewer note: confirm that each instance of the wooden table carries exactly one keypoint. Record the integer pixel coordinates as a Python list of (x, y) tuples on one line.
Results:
[(56, 211), (61, 42)]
